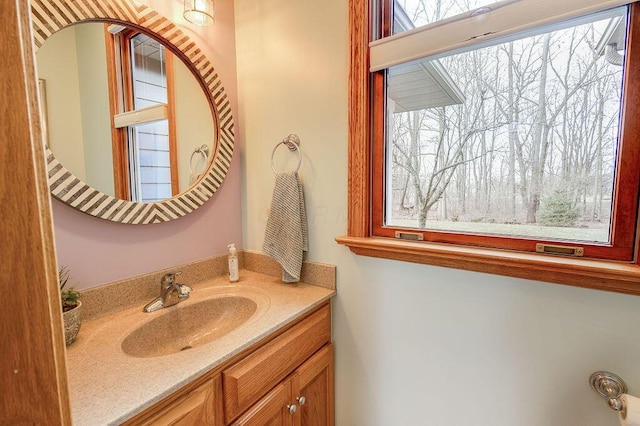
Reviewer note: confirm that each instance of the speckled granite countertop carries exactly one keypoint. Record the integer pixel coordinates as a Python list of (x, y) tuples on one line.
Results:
[(108, 386)]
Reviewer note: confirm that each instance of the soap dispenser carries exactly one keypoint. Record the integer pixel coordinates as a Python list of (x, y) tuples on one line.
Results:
[(233, 263)]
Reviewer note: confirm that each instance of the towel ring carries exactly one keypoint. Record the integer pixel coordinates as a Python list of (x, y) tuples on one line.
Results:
[(293, 143), (203, 150)]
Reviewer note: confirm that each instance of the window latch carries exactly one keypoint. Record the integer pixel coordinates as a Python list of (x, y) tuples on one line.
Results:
[(411, 236), (560, 250)]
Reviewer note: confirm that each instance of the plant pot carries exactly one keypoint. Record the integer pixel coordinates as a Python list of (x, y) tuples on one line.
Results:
[(72, 321)]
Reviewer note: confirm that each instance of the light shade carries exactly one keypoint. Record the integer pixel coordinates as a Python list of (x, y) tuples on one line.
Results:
[(199, 12)]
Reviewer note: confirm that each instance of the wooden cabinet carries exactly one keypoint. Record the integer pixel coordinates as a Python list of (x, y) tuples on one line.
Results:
[(313, 381), (251, 378), (303, 399), (201, 405), (283, 380), (272, 410)]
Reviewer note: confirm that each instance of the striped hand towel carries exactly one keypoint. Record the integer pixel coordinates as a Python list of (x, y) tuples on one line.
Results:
[(286, 235)]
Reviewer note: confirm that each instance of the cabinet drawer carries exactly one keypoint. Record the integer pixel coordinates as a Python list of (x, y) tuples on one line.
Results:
[(251, 378)]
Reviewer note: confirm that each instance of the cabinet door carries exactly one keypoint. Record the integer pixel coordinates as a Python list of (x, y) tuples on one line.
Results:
[(271, 410), (313, 390), (201, 406)]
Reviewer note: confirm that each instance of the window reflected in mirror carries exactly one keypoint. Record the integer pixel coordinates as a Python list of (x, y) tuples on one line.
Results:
[(124, 115), (144, 131)]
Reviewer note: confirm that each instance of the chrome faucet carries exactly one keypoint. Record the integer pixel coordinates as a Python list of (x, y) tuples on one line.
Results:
[(171, 293)]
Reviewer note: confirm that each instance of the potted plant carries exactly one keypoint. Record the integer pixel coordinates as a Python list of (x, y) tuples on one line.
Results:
[(71, 307)]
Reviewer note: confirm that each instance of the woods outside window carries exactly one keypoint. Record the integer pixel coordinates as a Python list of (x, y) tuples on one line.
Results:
[(512, 144)]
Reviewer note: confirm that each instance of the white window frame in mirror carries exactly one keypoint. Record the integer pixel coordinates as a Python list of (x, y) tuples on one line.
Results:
[(50, 16)]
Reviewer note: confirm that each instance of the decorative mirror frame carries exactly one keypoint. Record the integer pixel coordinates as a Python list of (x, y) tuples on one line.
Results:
[(50, 16)]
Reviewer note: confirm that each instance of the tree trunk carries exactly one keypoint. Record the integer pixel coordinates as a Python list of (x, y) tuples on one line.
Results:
[(596, 213), (513, 137), (414, 158), (539, 138)]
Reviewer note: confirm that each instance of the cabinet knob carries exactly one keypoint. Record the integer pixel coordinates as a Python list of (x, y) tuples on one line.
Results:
[(301, 400), (292, 408)]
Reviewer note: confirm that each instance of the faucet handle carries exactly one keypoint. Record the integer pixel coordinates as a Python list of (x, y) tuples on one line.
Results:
[(169, 278), (184, 291)]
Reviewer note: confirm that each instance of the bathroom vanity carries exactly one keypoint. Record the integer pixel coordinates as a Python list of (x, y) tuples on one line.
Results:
[(273, 366), (286, 380)]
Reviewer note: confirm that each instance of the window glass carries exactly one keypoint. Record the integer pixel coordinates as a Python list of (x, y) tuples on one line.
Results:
[(516, 139), (149, 72), (150, 173)]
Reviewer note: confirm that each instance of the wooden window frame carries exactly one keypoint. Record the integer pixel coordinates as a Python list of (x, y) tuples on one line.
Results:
[(121, 100), (605, 274)]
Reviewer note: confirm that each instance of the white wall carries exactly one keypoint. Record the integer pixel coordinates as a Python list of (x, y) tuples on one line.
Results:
[(73, 64), (415, 345), (57, 64), (194, 123), (94, 104)]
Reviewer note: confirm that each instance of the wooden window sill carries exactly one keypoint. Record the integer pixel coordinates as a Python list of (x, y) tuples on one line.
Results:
[(602, 275)]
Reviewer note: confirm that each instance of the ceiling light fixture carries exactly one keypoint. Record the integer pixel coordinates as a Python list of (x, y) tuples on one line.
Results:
[(199, 12)]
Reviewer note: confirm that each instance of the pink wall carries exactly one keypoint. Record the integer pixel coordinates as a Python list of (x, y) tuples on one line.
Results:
[(99, 252)]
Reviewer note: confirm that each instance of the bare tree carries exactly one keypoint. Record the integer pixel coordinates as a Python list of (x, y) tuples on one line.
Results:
[(540, 116)]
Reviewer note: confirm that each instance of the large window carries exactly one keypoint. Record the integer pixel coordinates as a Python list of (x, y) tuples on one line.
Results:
[(498, 137), (512, 143)]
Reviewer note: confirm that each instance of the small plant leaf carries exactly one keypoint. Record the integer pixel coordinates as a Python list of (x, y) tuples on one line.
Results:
[(68, 297)]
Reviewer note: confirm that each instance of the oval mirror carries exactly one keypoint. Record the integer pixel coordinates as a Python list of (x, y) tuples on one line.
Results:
[(137, 124)]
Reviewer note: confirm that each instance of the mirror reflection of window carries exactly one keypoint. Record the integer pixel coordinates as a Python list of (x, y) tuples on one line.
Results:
[(144, 127), (85, 105)]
